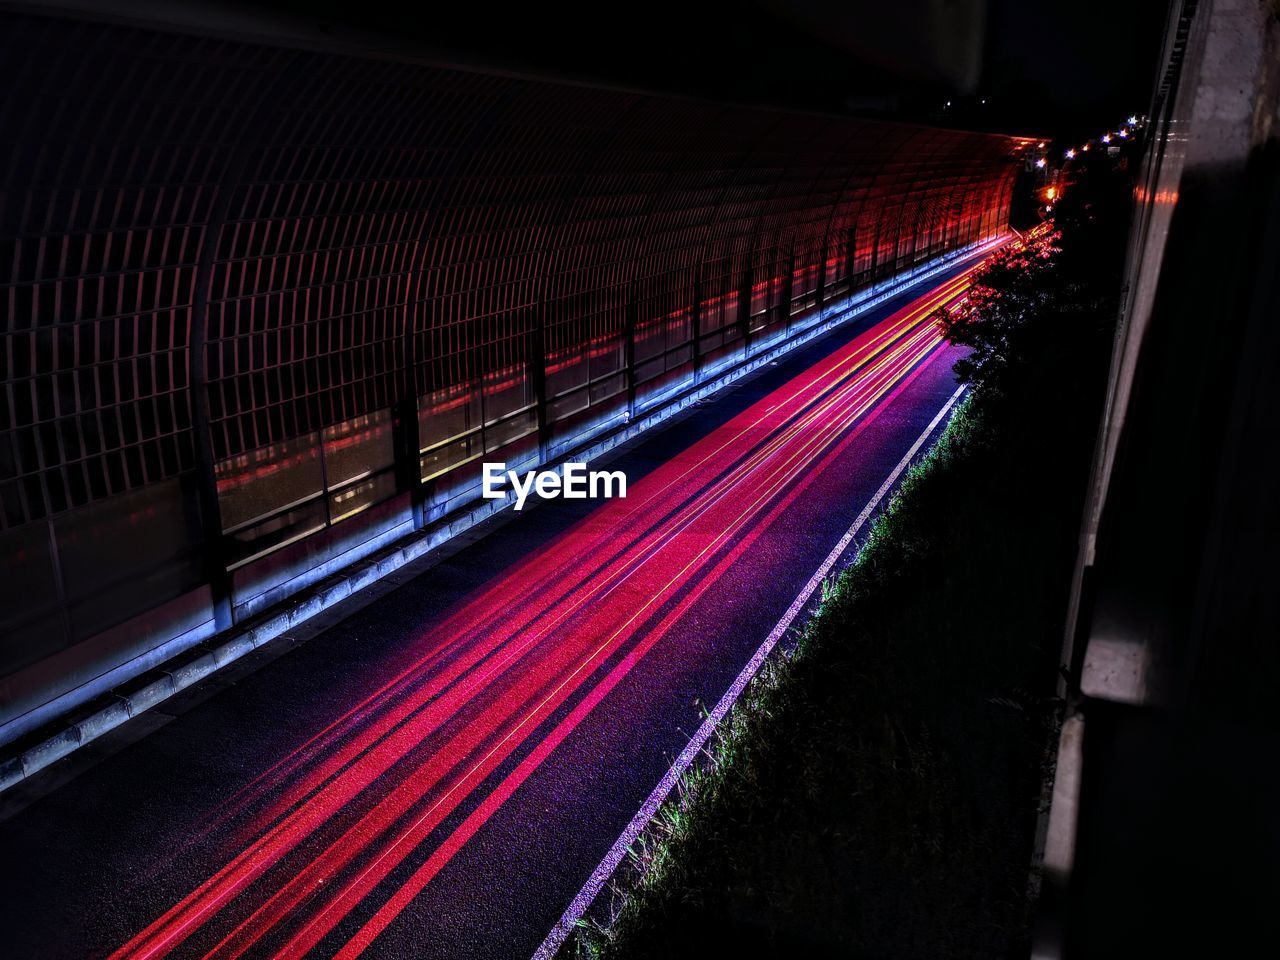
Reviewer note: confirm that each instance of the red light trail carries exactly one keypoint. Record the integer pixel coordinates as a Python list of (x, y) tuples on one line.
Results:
[(488, 689)]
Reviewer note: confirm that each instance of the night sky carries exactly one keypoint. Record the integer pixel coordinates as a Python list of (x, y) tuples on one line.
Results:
[(1048, 67)]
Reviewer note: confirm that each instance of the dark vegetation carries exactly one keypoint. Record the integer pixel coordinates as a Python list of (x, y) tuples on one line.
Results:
[(876, 793)]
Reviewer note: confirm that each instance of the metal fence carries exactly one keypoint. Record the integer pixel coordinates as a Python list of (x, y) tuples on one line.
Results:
[(265, 308)]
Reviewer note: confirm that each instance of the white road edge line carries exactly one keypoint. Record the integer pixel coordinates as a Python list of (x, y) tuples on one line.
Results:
[(600, 876)]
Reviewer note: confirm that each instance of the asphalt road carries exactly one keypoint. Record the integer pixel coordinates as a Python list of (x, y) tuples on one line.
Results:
[(436, 773)]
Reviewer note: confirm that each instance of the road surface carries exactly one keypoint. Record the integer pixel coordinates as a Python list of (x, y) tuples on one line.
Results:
[(437, 773)]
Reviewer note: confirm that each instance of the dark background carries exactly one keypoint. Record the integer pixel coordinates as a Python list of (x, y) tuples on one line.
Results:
[(1043, 67)]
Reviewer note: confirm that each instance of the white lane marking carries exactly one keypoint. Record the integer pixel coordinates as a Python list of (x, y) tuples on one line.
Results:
[(600, 876)]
